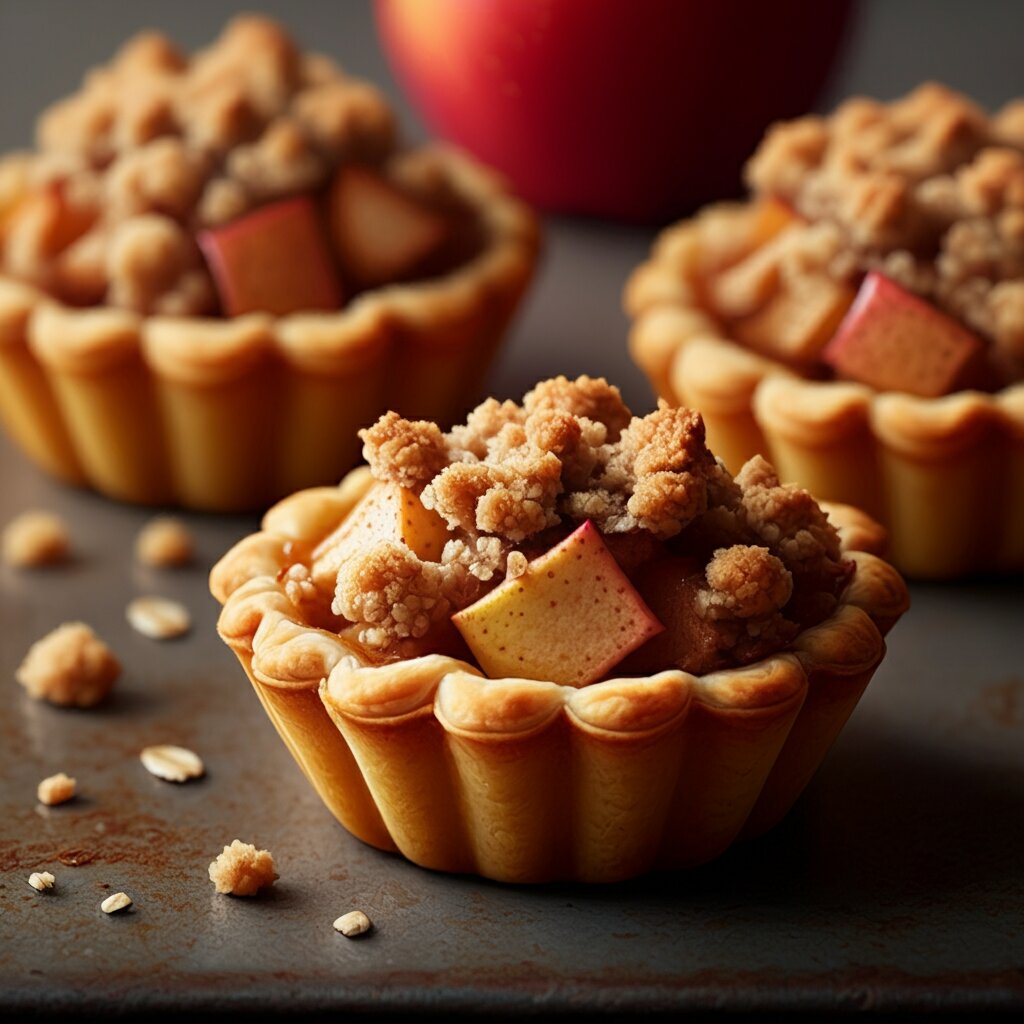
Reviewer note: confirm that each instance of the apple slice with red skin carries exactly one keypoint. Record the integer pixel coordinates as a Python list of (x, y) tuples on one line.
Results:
[(273, 260), (380, 233), (570, 618), (892, 340)]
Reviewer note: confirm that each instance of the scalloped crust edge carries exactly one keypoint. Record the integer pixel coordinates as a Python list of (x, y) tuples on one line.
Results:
[(525, 780), (231, 414)]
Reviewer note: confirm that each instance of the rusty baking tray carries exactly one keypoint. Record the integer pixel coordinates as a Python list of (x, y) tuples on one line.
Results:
[(897, 883)]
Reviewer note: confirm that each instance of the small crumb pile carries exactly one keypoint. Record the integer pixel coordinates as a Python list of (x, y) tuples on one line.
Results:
[(164, 542), (242, 870), (70, 666), (35, 538)]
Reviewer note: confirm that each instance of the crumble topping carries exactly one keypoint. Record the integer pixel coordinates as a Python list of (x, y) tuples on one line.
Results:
[(35, 538), (242, 870), (155, 146), (70, 666), (164, 541), (758, 559), (928, 190)]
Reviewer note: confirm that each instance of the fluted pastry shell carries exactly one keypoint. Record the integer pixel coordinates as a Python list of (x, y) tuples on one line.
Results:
[(945, 476), (233, 414), (527, 781)]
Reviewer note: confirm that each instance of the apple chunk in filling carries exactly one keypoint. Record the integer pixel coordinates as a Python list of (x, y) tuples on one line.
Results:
[(569, 618)]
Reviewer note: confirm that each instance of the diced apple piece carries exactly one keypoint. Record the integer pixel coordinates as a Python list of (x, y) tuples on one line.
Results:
[(745, 287), (569, 618), (670, 587), (771, 217), (13, 185), (892, 340), (380, 233), (798, 320), (273, 260), (386, 512), (46, 222)]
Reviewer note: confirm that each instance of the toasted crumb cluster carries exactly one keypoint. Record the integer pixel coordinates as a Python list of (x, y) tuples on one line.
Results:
[(929, 190), (514, 479), (56, 789), (35, 538), (70, 666), (163, 542), (242, 870), (156, 145)]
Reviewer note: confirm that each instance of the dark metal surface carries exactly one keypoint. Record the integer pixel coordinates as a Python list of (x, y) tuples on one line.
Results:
[(897, 883)]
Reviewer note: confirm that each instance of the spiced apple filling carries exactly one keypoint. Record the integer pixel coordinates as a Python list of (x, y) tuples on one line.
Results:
[(249, 177), (888, 247), (564, 538)]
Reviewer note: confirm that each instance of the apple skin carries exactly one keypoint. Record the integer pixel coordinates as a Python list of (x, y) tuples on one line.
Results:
[(892, 340), (273, 260), (570, 618), (631, 110)]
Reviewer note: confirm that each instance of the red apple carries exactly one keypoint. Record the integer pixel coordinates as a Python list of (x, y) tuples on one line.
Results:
[(620, 108), (892, 340), (273, 260)]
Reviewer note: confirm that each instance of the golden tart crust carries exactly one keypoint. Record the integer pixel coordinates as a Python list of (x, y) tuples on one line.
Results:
[(224, 414), (944, 475), (524, 780)]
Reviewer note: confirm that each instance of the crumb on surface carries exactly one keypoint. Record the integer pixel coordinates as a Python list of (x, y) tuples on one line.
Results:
[(56, 789), (164, 541), (35, 538), (70, 666), (242, 870)]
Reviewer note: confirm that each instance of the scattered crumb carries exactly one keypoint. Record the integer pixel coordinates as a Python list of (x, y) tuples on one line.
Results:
[(70, 666), (174, 764), (57, 789), (242, 870), (41, 881), (354, 923), (159, 618), (118, 901), (163, 542), (35, 538)]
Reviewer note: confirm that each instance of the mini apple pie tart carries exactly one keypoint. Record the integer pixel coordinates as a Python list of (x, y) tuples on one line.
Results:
[(213, 270), (558, 641), (860, 321)]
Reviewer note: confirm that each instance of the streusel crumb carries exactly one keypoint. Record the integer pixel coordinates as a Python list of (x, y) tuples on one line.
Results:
[(56, 789), (70, 666), (242, 870), (164, 541), (515, 479), (35, 538)]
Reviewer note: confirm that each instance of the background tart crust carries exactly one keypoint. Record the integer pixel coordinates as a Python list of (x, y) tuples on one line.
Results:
[(232, 414)]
